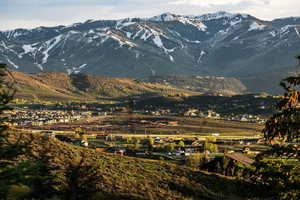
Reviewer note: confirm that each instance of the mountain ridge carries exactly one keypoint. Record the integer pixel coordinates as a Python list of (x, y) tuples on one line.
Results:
[(217, 44)]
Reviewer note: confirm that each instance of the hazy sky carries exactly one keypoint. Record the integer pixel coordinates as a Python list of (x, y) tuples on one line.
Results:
[(34, 13)]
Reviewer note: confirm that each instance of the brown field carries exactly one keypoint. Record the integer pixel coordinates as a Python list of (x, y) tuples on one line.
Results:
[(137, 124)]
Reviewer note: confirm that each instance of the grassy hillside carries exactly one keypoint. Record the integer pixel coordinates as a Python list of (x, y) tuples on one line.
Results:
[(131, 178), (211, 84), (64, 87)]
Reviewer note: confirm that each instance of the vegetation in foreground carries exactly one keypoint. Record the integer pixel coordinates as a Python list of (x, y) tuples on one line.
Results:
[(278, 168), (55, 169), (36, 167)]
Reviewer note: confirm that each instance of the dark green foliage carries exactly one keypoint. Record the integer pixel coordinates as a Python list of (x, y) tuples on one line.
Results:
[(80, 179), (36, 170), (6, 96), (278, 168), (15, 172), (6, 154)]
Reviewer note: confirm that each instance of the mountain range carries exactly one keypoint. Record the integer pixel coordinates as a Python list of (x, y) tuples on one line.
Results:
[(217, 44)]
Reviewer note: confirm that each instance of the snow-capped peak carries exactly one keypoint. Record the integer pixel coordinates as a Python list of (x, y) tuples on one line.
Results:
[(219, 15), (164, 17)]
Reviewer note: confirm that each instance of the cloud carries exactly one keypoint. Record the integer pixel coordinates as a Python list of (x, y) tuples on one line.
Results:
[(205, 3), (33, 13)]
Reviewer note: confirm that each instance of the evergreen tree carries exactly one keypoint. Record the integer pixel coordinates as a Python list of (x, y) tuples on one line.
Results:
[(7, 152), (31, 174), (279, 167)]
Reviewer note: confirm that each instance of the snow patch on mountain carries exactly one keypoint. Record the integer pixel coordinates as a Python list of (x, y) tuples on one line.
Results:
[(286, 29), (8, 48), (202, 53), (158, 41), (171, 58), (182, 19), (145, 32), (103, 37), (153, 72), (256, 26), (28, 48), (198, 24), (192, 41), (297, 31), (222, 32), (162, 18), (128, 35), (123, 23), (76, 70), (233, 23), (11, 34), (82, 66), (50, 44), (11, 63), (39, 66), (122, 41), (217, 15), (273, 33)]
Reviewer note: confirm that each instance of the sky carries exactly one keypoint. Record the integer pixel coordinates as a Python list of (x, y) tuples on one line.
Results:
[(34, 13)]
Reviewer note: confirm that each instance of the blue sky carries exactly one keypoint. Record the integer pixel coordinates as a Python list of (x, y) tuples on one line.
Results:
[(34, 13)]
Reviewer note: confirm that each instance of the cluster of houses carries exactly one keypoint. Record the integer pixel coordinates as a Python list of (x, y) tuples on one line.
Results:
[(211, 114), (245, 118), (185, 146), (43, 117), (154, 123)]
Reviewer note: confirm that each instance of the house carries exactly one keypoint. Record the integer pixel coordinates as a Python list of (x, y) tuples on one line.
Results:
[(246, 150), (101, 136), (116, 150), (173, 123), (101, 149), (191, 113), (227, 165), (198, 143), (241, 158), (63, 138), (84, 143)]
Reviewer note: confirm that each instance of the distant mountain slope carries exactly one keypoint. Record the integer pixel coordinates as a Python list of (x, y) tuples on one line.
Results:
[(223, 44), (61, 86)]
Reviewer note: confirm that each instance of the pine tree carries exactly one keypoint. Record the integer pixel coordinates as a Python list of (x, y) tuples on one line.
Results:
[(279, 167), (7, 153), (32, 175)]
